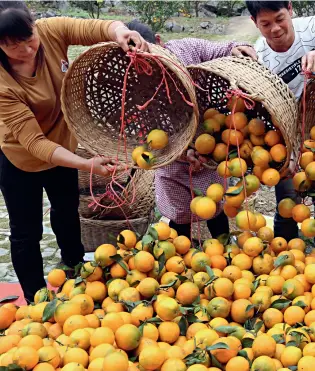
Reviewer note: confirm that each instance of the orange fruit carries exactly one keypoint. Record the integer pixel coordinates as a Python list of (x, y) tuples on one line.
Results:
[(200, 261), (264, 345), (210, 113), (300, 182), (300, 213), (223, 287), (137, 152), (220, 118), (218, 261), (232, 273), (96, 290), (223, 169), (49, 355), (167, 309), (182, 244), (65, 310), (169, 332), (25, 357), (85, 302), (219, 152), (144, 261), (278, 244), (238, 167), (157, 139), (172, 364), (272, 137), (285, 207), (126, 239), (235, 196), (253, 246), (148, 287), (56, 277), (236, 103), (297, 244), (127, 337), (205, 208), (33, 341), (145, 160), (246, 149), (103, 253), (256, 127), (257, 140), (151, 358), (278, 152), (271, 317), (211, 126), (219, 307), (230, 211), (293, 315), (308, 227), (163, 230), (76, 355), (260, 157), (205, 144), (263, 363), (306, 158), (245, 220), (270, 177), (238, 310), (225, 355), (90, 272), (74, 322), (187, 293), (310, 171), (237, 121), (234, 137), (237, 363), (265, 234), (310, 273), (7, 317), (291, 356), (215, 192)]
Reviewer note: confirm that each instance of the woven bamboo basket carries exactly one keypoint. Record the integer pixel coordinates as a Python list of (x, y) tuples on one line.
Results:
[(275, 104), (310, 109), (91, 102), (138, 193), (97, 232)]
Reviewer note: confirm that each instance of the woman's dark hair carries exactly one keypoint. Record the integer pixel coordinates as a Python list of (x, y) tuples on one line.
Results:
[(143, 29), (16, 25), (254, 7)]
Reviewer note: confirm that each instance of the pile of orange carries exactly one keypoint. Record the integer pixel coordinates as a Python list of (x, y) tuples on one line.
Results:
[(247, 142), (161, 304), (142, 155)]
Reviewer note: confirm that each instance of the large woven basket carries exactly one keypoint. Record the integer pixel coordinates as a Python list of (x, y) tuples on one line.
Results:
[(310, 109), (138, 193), (91, 102), (275, 104), (96, 232)]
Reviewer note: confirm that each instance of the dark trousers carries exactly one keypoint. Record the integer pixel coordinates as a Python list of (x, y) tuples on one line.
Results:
[(23, 195), (285, 227), (216, 226)]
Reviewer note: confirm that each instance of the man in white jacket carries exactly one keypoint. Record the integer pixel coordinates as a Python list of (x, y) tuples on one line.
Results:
[(286, 47)]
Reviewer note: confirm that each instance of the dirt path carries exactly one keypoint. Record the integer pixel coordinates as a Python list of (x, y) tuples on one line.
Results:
[(243, 27)]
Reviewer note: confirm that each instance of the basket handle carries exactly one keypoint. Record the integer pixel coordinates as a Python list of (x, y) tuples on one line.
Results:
[(235, 86)]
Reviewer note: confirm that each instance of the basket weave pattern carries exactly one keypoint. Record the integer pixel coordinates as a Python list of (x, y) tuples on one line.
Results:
[(97, 232), (310, 109), (141, 187), (275, 104), (91, 102)]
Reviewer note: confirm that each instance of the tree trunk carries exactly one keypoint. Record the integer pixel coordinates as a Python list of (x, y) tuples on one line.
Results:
[(197, 8)]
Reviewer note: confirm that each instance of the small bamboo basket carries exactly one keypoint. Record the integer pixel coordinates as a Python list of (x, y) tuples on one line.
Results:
[(97, 232)]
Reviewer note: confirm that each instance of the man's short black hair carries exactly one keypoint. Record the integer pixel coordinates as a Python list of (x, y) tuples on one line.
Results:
[(254, 7), (144, 30)]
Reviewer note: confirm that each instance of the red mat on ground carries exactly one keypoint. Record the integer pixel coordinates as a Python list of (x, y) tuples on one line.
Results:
[(13, 289)]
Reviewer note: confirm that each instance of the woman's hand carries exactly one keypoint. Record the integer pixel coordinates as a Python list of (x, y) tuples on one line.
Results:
[(123, 36), (195, 159), (102, 166), (243, 50)]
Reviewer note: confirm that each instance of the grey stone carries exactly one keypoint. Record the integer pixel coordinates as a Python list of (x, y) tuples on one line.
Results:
[(174, 27), (4, 252), (50, 14), (205, 25), (47, 254), (3, 272), (245, 12)]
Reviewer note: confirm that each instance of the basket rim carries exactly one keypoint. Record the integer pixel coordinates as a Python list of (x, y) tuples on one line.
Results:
[(193, 121)]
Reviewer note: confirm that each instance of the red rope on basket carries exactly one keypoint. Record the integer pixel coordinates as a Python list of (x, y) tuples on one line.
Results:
[(249, 104), (140, 61), (192, 215)]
